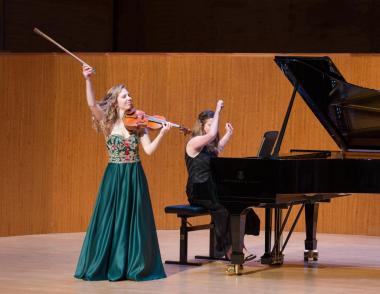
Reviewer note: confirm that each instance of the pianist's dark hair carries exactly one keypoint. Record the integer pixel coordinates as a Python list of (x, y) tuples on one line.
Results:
[(198, 129)]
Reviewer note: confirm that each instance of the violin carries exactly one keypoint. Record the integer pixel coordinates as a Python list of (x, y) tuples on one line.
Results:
[(137, 119)]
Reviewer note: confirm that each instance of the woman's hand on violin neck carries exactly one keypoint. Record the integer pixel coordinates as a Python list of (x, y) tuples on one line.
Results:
[(219, 105), (165, 128), (87, 71)]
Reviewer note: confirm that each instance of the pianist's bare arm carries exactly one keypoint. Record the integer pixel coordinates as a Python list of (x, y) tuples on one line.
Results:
[(195, 144), (227, 136)]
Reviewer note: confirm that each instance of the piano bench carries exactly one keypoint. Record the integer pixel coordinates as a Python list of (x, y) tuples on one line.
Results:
[(184, 212)]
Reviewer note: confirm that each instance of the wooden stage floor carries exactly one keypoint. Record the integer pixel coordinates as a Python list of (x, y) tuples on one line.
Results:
[(45, 264)]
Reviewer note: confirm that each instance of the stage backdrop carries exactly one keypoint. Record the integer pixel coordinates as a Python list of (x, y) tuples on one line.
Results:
[(51, 160)]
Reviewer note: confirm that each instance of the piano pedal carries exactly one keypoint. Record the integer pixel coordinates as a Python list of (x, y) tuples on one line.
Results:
[(272, 259), (234, 269), (310, 255)]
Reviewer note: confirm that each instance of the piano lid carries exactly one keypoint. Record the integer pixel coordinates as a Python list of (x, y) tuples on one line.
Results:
[(349, 113)]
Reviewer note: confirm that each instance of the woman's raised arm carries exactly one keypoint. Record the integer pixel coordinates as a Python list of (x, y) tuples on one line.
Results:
[(97, 112), (227, 136), (196, 144)]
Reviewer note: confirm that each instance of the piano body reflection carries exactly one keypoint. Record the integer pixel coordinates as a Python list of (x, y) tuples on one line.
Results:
[(351, 115)]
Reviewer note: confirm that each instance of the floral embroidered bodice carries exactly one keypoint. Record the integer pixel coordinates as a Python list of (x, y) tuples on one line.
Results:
[(123, 150)]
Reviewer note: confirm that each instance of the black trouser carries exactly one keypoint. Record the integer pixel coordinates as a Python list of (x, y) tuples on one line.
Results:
[(204, 194), (221, 220)]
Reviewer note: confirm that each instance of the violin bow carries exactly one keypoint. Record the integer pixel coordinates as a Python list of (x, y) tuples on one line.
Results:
[(43, 35)]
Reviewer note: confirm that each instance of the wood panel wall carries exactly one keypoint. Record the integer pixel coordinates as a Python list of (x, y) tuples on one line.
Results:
[(51, 160)]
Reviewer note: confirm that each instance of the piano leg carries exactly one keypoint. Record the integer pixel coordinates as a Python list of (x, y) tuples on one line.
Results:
[(237, 234), (273, 256), (268, 236), (278, 257), (311, 219)]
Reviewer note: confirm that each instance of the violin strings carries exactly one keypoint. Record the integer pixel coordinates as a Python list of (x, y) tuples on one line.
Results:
[(161, 121)]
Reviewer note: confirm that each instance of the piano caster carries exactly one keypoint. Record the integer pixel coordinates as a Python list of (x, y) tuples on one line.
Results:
[(310, 255), (272, 259), (234, 269)]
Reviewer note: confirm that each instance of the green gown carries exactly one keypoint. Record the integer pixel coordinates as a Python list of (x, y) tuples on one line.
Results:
[(121, 241)]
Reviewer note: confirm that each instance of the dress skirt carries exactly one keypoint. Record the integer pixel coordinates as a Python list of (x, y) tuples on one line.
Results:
[(121, 241)]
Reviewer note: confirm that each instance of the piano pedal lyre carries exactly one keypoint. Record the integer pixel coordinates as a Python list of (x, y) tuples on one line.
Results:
[(234, 269), (310, 255)]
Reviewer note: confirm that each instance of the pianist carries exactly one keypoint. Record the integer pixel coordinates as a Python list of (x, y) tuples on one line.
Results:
[(200, 189)]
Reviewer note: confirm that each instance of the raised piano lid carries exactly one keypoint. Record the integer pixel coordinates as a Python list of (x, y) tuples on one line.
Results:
[(349, 113)]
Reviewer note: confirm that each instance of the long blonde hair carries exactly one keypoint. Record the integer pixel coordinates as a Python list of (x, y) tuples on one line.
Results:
[(110, 108), (198, 129)]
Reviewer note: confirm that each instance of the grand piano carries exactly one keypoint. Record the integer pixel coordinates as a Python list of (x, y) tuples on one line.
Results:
[(304, 178)]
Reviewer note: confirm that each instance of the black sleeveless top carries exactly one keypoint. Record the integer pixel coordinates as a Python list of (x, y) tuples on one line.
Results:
[(199, 170)]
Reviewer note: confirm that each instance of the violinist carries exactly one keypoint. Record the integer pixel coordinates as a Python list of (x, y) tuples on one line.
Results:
[(121, 241), (203, 145)]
